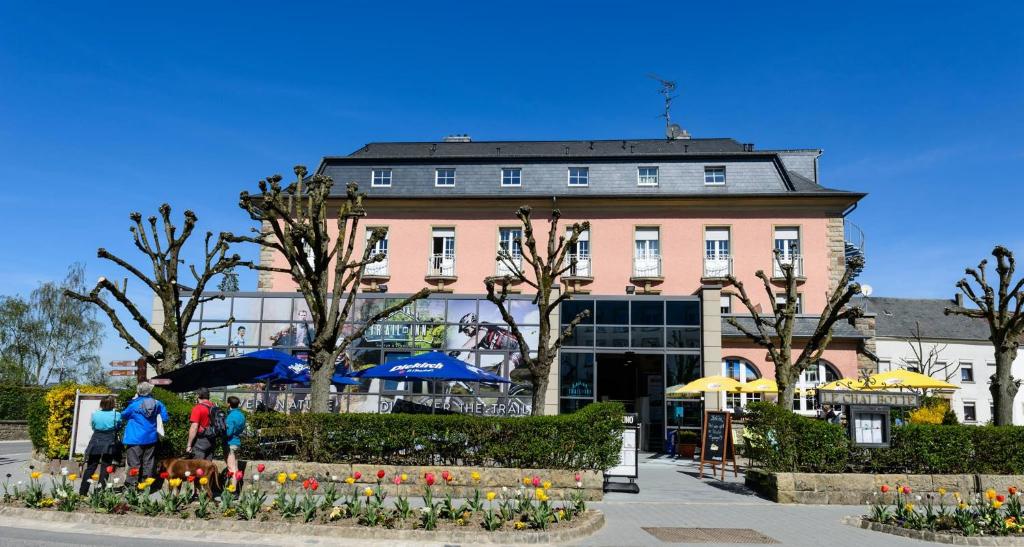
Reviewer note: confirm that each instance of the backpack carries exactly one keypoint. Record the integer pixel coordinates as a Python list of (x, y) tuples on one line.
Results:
[(218, 423)]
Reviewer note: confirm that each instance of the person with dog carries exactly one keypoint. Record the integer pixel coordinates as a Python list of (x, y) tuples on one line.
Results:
[(140, 432), (235, 423), (103, 445), (207, 427)]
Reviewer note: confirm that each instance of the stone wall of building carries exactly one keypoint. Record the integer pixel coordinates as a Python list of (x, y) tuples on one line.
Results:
[(867, 353), (265, 281), (836, 243)]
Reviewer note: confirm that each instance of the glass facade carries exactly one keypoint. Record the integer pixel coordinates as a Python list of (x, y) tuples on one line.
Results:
[(468, 328), (630, 350)]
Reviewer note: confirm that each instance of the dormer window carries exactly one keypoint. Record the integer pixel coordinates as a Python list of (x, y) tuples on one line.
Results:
[(511, 176), (579, 176), (380, 178), (445, 177), (647, 176), (714, 176)]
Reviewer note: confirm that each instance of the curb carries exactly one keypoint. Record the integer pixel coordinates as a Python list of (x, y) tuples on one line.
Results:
[(593, 521), (934, 537)]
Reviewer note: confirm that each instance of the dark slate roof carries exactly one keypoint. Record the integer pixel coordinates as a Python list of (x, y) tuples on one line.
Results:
[(804, 327), (549, 149), (897, 318)]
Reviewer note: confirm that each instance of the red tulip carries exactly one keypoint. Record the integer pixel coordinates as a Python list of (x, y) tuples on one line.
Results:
[(305, 484), (239, 475), (380, 474), (430, 479), (885, 488), (1000, 498), (110, 469), (191, 478), (314, 484), (1012, 490), (357, 475), (536, 481), (577, 477), (163, 474), (906, 490), (445, 474), (133, 471), (397, 479), (200, 472), (261, 468)]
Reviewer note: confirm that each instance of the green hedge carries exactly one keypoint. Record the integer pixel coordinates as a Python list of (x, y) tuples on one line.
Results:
[(782, 441), (588, 439), (16, 400)]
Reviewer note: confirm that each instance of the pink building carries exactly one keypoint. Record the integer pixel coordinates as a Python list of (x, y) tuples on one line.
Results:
[(669, 219)]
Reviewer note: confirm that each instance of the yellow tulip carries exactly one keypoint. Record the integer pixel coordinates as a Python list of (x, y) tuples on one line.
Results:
[(910, 507), (35, 474), (204, 481), (539, 492), (95, 476), (942, 491), (962, 505), (230, 488), (282, 478), (490, 496), (996, 504), (141, 486), (474, 475), (350, 480), (526, 481), (990, 494), (405, 477), (293, 476), (174, 482), (149, 481), (547, 485), (368, 492), (72, 477)]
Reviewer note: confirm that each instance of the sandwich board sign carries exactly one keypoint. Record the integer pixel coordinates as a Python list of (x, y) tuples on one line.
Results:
[(716, 447), (628, 465), (81, 421)]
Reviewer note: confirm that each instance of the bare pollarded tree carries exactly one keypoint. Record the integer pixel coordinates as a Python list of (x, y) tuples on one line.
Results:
[(165, 257), (542, 272), (928, 357), (775, 332), (1002, 308), (328, 271)]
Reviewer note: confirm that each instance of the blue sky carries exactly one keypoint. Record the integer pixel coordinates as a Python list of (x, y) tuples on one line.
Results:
[(108, 108)]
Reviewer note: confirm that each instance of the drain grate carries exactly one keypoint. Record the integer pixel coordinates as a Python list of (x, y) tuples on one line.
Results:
[(709, 535)]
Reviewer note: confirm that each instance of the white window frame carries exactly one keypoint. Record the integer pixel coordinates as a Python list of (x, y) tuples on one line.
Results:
[(966, 365), (645, 180), (518, 177), (963, 409), (725, 304), (780, 300), (382, 171), (437, 177), (583, 172), (711, 170)]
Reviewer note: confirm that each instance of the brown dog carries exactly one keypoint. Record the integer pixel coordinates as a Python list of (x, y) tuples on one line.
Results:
[(177, 467)]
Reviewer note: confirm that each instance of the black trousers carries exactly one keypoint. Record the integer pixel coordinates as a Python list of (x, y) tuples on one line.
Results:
[(143, 458), (92, 461)]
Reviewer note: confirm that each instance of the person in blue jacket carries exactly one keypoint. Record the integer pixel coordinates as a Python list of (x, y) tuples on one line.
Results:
[(235, 422), (103, 447), (140, 433)]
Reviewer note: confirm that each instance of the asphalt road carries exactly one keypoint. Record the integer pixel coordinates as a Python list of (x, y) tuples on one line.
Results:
[(23, 537)]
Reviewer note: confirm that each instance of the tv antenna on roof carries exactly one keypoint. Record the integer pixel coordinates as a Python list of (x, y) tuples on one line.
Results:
[(668, 88)]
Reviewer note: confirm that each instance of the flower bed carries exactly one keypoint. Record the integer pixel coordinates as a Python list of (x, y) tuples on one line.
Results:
[(281, 495), (990, 513)]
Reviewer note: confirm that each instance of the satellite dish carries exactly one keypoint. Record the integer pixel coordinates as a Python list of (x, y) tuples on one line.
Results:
[(866, 290)]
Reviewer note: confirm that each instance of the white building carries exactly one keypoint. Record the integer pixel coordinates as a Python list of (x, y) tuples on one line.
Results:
[(953, 348)]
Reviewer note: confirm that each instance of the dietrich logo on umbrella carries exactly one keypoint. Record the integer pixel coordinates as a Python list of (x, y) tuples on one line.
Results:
[(417, 366)]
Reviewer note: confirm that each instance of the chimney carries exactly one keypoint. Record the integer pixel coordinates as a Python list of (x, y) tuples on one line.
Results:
[(958, 298), (458, 138)]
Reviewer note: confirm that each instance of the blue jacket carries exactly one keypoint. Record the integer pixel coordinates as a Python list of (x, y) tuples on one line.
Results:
[(140, 417), (235, 422)]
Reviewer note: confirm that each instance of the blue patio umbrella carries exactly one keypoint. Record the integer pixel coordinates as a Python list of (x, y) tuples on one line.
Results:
[(429, 366), (292, 370)]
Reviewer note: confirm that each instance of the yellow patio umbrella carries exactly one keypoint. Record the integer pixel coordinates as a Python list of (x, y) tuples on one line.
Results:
[(761, 385), (708, 383), (902, 378), (844, 384)]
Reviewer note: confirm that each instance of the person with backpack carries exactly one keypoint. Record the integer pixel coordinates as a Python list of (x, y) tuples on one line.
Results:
[(141, 433), (235, 422), (207, 427)]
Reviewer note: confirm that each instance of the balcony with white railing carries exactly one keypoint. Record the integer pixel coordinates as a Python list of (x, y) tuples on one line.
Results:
[(441, 266), (717, 267), (377, 269), (579, 266), (647, 266), (796, 260), (503, 268)]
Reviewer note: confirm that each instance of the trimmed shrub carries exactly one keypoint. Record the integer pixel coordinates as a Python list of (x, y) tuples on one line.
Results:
[(779, 440), (60, 402), (16, 400), (588, 439)]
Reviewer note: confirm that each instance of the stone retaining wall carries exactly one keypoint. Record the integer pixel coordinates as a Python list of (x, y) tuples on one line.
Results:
[(860, 488), (13, 430)]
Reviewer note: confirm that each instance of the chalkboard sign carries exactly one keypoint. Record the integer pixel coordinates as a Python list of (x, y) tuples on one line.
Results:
[(716, 442)]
